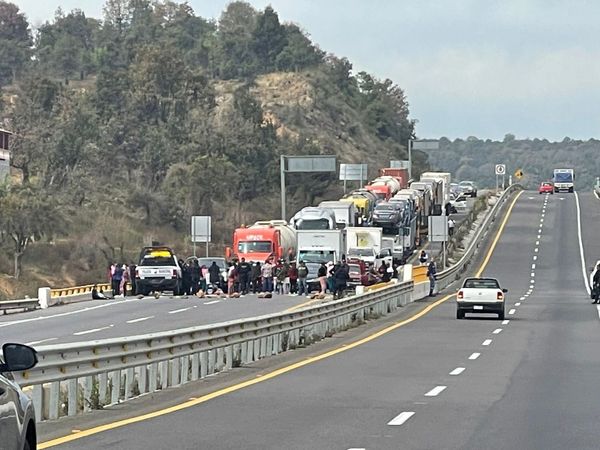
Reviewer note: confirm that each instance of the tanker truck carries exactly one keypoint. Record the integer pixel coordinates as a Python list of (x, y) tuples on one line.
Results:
[(264, 240), (399, 174), (385, 187)]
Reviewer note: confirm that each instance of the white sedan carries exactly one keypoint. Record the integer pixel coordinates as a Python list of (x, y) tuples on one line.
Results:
[(480, 295)]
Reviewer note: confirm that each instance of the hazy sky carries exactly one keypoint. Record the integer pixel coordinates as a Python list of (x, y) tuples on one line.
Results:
[(469, 67)]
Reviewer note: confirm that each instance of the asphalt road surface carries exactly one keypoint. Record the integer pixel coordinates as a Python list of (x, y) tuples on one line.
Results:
[(529, 382)]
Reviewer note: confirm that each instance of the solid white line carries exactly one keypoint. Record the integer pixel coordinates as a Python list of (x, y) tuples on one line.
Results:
[(457, 371), (435, 391), (497, 331), (212, 302), (581, 253), (175, 311), (487, 342), (518, 304), (512, 311), (141, 319), (474, 356), (80, 333), (401, 418), (505, 322), (41, 341)]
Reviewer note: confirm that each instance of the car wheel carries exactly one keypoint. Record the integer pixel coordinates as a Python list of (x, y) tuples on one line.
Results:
[(460, 314)]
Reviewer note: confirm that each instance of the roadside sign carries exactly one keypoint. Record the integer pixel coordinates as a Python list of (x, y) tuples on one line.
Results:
[(201, 229), (353, 172), (400, 164), (313, 163), (500, 169), (424, 144)]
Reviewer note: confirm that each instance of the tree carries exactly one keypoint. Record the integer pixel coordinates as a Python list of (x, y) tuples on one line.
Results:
[(28, 213), (269, 38), (15, 42), (299, 52)]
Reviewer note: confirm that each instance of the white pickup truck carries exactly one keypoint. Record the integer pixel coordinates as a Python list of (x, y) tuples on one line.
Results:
[(480, 295)]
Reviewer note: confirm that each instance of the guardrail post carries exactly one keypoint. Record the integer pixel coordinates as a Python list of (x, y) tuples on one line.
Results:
[(143, 379), (229, 357), (211, 361), (103, 387), (38, 395), (88, 386), (115, 378), (164, 374), (244, 357), (175, 372), (153, 377), (203, 364), (185, 369), (220, 364), (129, 382), (54, 403), (72, 396), (195, 366), (256, 350)]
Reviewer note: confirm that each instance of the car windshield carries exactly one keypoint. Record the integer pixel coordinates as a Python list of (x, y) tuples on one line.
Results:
[(208, 262), (316, 256), (150, 260), (546, 184), (466, 183), (354, 269), (319, 224), (385, 208), (563, 177), (255, 247), (481, 283)]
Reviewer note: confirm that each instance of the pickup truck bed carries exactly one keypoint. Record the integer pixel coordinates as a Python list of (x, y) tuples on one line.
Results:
[(480, 295)]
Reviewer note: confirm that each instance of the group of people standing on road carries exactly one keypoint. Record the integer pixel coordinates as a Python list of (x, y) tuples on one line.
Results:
[(121, 276), (271, 276)]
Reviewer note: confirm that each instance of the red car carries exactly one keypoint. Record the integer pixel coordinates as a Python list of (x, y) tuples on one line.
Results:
[(546, 188)]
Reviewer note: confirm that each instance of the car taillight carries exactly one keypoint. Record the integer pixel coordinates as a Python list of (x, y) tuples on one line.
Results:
[(500, 296), (460, 295), (174, 273), (137, 273)]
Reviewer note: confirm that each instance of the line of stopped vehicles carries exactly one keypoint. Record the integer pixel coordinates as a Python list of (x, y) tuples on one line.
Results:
[(382, 222)]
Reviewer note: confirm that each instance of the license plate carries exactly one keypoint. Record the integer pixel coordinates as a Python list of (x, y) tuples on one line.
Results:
[(478, 307)]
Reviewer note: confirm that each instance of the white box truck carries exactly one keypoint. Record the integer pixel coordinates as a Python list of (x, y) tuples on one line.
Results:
[(319, 246), (365, 243), (345, 212)]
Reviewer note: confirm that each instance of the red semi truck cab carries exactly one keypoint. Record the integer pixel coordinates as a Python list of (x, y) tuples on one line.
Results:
[(262, 241), (383, 192)]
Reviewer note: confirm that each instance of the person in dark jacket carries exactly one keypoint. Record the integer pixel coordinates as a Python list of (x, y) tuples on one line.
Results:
[(322, 275), (383, 272), (132, 280), (255, 278), (116, 279), (244, 270), (431, 272), (596, 285), (214, 274), (340, 277), (194, 269)]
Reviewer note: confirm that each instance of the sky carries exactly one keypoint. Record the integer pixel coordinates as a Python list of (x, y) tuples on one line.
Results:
[(480, 68)]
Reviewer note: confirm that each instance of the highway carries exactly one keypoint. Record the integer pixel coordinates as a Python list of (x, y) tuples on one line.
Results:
[(528, 382), (100, 319)]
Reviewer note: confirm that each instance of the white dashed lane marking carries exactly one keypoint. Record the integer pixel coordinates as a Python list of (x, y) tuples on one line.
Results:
[(401, 418), (474, 356), (141, 319), (176, 311), (512, 311), (497, 331), (212, 302), (457, 371), (487, 342), (436, 391), (518, 304), (94, 330), (505, 322)]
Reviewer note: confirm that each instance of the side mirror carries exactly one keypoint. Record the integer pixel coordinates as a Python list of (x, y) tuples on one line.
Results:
[(505, 290), (18, 357)]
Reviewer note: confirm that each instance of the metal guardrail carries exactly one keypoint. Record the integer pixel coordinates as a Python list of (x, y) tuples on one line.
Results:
[(73, 378), (27, 304)]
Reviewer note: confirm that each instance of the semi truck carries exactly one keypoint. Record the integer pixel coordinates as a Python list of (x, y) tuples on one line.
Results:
[(564, 180), (441, 190), (345, 212), (314, 218), (365, 243), (264, 240), (319, 246), (399, 174)]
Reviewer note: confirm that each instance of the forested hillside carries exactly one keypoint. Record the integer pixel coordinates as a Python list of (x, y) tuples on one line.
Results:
[(126, 126), (474, 159)]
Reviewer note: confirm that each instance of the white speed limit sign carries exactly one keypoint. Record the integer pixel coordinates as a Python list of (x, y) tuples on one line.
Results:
[(500, 169)]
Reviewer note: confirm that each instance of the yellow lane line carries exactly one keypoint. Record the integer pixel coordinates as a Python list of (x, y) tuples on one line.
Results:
[(273, 374), (497, 238), (302, 305)]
